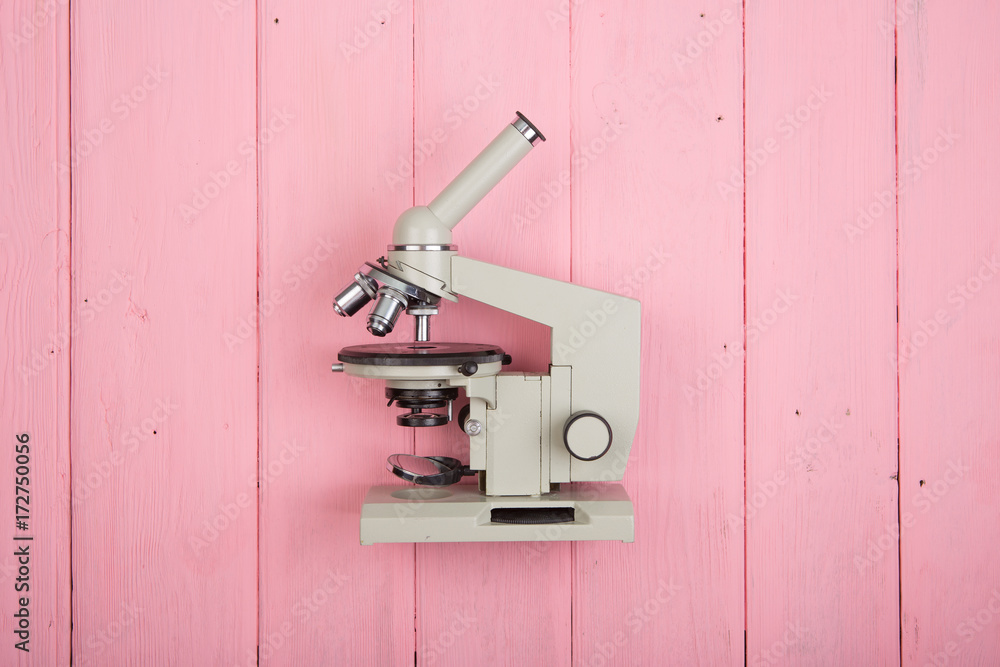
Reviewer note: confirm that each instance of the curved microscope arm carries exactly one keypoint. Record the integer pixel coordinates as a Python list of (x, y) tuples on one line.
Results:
[(594, 333)]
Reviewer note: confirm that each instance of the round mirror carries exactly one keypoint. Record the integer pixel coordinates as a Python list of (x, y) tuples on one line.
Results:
[(427, 470)]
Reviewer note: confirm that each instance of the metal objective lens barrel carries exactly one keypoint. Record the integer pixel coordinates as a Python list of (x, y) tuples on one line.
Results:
[(354, 297), (386, 311)]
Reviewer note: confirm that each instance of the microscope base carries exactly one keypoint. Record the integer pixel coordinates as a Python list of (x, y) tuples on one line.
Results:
[(461, 513)]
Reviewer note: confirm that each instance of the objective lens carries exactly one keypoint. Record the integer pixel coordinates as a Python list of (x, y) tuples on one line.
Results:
[(386, 311), (354, 297)]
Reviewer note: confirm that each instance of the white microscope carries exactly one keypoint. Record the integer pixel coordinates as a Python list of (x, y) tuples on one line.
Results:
[(530, 434)]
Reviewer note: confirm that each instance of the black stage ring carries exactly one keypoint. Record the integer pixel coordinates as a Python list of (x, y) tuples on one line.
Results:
[(421, 419), (420, 354)]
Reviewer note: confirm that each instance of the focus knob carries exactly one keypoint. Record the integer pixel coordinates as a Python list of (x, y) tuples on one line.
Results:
[(587, 436)]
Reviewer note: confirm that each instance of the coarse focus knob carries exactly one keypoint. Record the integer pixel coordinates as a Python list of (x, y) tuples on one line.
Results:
[(463, 415), (587, 436)]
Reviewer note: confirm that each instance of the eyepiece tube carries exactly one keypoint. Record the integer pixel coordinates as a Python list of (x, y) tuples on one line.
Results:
[(485, 171)]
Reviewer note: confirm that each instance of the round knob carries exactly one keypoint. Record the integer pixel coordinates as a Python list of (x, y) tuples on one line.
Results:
[(473, 427), (587, 436), (469, 368)]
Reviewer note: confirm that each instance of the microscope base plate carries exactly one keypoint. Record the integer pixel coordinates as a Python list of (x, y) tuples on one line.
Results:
[(461, 513)]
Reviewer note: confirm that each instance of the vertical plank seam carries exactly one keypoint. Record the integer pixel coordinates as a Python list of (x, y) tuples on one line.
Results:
[(899, 481), (746, 352), (569, 113), (260, 249), (69, 262), (413, 110), (413, 202)]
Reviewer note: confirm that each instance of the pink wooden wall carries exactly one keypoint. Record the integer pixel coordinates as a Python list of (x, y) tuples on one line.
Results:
[(803, 195)]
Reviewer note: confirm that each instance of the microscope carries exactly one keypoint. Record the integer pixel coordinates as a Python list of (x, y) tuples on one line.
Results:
[(532, 436)]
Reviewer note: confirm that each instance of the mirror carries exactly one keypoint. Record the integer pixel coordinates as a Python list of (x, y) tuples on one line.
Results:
[(427, 470)]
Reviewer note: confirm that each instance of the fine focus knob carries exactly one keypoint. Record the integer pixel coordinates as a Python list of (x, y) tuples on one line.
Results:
[(587, 436)]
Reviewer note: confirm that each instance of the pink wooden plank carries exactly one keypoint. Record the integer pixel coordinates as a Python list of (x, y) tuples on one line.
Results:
[(494, 604), (164, 418), (344, 71), (34, 283), (949, 349), (657, 106), (821, 407)]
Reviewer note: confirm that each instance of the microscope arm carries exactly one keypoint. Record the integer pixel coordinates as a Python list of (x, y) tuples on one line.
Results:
[(594, 333)]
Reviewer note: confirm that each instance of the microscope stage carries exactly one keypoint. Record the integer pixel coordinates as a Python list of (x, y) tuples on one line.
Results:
[(461, 513), (420, 354)]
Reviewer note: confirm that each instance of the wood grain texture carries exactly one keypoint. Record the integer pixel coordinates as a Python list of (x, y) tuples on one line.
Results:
[(186, 185), (328, 203), (494, 604), (34, 290), (821, 408), (655, 123), (164, 412), (949, 346)]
